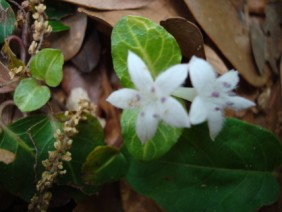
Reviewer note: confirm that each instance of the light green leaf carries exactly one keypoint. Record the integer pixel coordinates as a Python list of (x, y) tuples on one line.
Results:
[(148, 40), (58, 26), (47, 65), (13, 61), (7, 20), (104, 164), (233, 173), (165, 137), (30, 96)]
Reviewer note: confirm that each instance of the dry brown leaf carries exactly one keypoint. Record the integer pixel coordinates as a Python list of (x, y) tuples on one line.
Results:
[(70, 41), (111, 4), (89, 55), (6, 156), (187, 35), (132, 201), (259, 44), (257, 6), (215, 60), (156, 11), (5, 85), (225, 25)]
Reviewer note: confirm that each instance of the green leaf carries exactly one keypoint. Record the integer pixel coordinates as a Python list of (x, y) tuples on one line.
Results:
[(148, 40), (104, 164), (58, 10), (233, 173), (30, 96), (18, 177), (30, 139), (7, 20), (165, 137), (47, 65), (89, 137), (58, 26)]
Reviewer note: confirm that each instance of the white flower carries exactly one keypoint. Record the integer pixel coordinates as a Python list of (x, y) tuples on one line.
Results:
[(152, 97), (213, 95)]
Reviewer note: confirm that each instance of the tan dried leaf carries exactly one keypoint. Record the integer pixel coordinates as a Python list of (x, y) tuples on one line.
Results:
[(111, 4), (215, 60), (228, 29), (6, 156)]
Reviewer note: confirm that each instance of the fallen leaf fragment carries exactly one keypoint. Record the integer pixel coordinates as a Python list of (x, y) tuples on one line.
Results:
[(70, 41), (6, 156), (215, 60), (187, 35), (227, 28), (157, 11), (111, 4), (6, 85)]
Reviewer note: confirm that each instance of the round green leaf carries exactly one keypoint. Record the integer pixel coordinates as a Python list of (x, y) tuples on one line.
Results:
[(233, 173), (7, 20), (47, 65), (103, 165), (165, 137), (30, 96), (148, 40)]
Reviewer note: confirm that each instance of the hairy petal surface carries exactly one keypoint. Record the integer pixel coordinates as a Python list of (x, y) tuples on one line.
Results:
[(198, 111), (124, 98)]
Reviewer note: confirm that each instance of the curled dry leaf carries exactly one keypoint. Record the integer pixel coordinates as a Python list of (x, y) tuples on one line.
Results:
[(111, 4), (89, 55), (70, 41), (215, 60), (187, 35), (6, 85), (6, 156), (226, 26), (156, 11)]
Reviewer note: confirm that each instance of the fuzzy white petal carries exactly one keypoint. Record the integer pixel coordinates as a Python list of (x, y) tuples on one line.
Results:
[(185, 93), (239, 103), (138, 71), (215, 123), (202, 74), (173, 113), (172, 78), (229, 80), (198, 111), (124, 98), (147, 123)]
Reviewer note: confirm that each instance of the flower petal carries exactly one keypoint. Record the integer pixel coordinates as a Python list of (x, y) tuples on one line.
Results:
[(198, 111), (239, 103), (171, 79), (124, 98), (202, 74), (228, 81), (215, 122), (173, 113), (147, 123), (185, 93), (138, 71)]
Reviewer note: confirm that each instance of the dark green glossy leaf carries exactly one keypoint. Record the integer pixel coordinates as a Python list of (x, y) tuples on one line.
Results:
[(47, 65), (7, 20), (58, 10), (58, 26), (233, 173), (30, 96), (103, 165), (148, 40), (30, 139), (165, 137)]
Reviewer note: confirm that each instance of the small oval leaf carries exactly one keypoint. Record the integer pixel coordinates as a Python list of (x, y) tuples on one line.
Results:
[(150, 41), (47, 65), (30, 96)]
